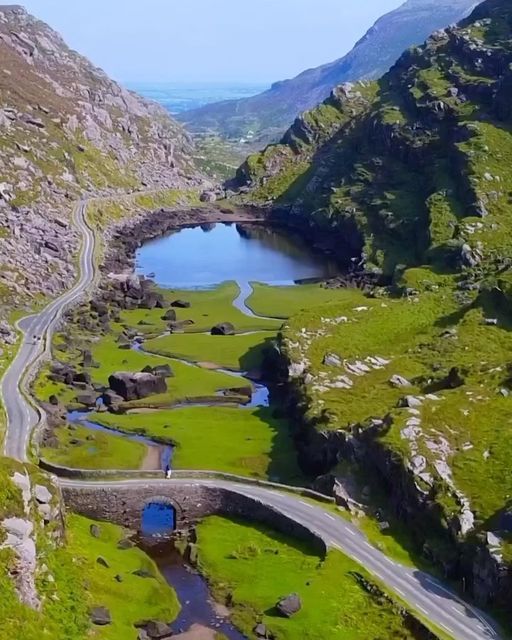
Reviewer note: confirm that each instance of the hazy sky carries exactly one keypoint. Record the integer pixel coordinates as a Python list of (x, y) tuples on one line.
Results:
[(217, 40)]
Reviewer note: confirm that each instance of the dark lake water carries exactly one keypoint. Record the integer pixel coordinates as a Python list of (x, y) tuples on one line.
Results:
[(211, 254)]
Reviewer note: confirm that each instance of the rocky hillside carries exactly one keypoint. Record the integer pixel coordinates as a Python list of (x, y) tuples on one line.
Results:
[(410, 179), (267, 115), (66, 129)]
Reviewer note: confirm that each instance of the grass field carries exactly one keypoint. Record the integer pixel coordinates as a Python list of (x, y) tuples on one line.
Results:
[(248, 442), (284, 302), (94, 450), (208, 308), (254, 567), (129, 601), (240, 352)]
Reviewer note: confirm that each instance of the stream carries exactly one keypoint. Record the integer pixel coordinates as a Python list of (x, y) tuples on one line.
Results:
[(202, 258)]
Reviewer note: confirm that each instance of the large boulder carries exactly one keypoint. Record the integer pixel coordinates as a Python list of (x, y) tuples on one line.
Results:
[(88, 398), (289, 606), (111, 398), (155, 630), (152, 300), (208, 196), (169, 315), (135, 386), (181, 304), (223, 329)]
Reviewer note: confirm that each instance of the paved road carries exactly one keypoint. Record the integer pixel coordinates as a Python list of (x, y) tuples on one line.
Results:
[(419, 590), (21, 416)]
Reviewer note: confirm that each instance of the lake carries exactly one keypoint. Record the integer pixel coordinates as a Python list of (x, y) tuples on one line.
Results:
[(202, 257)]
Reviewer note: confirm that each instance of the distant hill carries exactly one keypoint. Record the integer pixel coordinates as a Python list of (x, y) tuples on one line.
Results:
[(268, 114)]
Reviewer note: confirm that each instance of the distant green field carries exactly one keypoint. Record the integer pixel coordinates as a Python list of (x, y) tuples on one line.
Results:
[(283, 302)]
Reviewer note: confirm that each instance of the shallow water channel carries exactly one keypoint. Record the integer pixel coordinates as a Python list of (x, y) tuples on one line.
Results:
[(201, 258)]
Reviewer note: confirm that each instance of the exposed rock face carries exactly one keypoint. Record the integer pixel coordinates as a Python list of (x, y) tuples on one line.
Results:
[(135, 386), (66, 129), (269, 113), (428, 430)]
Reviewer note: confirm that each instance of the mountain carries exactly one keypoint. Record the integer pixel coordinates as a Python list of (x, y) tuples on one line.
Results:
[(268, 114), (409, 179), (66, 129)]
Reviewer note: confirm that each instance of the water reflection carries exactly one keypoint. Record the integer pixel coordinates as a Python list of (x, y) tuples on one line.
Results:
[(213, 253)]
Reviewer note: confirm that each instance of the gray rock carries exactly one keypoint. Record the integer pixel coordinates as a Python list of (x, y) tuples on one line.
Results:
[(112, 399), (88, 399), (158, 630), (143, 573), (399, 381), (208, 196), (223, 329), (289, 606), (95, 531), (42, 494), (332, 360), (135, 386), (100, 616), (169, 315), (163, 370), (181, 304), (261, 631), (125, 544)]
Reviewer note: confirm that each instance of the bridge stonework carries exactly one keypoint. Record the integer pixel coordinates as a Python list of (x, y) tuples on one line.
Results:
[(192, 503)]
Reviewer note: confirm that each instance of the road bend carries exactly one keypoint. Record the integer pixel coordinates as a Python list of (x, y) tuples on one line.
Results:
[(418, 590), (37, 331)]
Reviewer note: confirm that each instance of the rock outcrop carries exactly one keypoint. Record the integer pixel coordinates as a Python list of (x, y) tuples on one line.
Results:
[(67, 129)]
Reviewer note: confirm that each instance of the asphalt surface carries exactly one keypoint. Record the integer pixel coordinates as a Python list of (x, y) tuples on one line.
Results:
[(37, 330), (418, 590)]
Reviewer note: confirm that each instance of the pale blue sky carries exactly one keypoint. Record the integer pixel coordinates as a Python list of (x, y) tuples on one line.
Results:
[(210, 40)]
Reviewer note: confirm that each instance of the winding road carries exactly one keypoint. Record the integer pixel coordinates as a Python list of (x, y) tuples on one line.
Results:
[(418, 590), (37, 331)]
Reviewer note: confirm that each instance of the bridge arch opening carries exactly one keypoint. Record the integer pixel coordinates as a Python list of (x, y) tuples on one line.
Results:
[(159, 518)]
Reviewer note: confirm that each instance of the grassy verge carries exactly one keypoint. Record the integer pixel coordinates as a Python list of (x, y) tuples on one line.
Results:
[(253, 567), (129, 601), (83, 448)]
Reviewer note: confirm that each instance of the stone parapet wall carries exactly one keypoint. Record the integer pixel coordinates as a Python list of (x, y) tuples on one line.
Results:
[(192, 503)]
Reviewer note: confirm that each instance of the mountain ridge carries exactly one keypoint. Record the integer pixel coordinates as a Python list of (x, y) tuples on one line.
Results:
[(408, 178), (67, 129), (271, 112)]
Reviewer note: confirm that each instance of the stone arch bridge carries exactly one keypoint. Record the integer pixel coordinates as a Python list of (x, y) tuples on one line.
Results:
[(123, 504)]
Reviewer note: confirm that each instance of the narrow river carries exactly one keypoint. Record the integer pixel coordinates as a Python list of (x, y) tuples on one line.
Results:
[(200, 258)]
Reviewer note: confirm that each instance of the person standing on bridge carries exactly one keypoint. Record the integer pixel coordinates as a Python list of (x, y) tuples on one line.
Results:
[(168, 472)]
